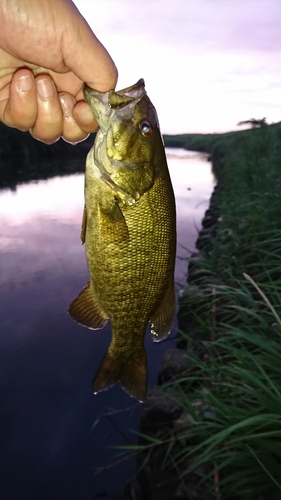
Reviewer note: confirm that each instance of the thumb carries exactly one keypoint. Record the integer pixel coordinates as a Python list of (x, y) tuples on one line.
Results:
[(88, 59)]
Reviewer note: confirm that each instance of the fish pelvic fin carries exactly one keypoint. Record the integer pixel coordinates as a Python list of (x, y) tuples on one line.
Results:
[(130, 371), (162, 320), (86, 310)]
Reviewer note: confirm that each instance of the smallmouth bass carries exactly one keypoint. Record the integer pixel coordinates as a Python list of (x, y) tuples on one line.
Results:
[(129, 231)]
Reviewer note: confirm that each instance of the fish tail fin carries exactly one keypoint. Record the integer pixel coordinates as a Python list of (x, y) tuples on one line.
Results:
[(131, 372)]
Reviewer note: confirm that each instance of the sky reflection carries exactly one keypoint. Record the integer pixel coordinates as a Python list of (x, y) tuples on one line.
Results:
[(193, 183), (51, 444), (33, 200)]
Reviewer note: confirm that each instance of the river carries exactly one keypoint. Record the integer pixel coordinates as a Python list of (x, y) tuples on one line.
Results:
[(57, 438)]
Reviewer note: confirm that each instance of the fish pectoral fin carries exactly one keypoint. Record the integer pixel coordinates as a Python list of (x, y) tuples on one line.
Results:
[(162, 320), (84, 226), (113, 224), (86, 310), (130, 371)]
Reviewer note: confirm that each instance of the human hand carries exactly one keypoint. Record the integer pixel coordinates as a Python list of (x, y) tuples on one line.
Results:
[(47, 51)]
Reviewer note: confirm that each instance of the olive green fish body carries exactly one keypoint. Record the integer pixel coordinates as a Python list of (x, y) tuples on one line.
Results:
[(129, 231)]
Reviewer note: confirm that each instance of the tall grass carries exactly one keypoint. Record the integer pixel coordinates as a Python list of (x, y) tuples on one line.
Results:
[(229, 434), (236, 421)]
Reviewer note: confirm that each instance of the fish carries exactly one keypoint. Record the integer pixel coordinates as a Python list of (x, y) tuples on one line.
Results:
[(129, 232)]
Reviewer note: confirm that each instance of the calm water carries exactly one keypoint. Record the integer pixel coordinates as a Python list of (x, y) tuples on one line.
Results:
[(56, 436)]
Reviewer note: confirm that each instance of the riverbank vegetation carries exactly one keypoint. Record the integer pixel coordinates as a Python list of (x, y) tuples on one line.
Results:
[(225, 442)]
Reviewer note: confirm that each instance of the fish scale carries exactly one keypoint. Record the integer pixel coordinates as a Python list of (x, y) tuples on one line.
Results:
[(129, 231)]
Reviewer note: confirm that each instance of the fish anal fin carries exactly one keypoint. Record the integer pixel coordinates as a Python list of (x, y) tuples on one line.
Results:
[(162, 320), (84, 226), (86, 310), (131, 372)]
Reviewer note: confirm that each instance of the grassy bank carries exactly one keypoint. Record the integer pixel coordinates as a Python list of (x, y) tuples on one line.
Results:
[(227, 440)]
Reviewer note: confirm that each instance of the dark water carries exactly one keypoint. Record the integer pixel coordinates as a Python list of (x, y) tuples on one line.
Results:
[(56, 437)]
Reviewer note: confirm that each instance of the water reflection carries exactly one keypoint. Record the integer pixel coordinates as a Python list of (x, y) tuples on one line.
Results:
[(50, 443), (193, 183)]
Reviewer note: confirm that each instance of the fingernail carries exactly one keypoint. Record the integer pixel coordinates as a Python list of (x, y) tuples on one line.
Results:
[(24, 83), (67, 103), (45, 88)]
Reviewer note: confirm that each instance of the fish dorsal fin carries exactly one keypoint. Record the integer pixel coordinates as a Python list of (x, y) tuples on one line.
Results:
[(162, 320), (86, 310)]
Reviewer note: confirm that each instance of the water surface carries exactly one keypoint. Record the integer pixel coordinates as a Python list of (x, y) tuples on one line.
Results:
[(55, 434)]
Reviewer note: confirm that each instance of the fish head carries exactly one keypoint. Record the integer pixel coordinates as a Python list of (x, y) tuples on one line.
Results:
[(128, 138)]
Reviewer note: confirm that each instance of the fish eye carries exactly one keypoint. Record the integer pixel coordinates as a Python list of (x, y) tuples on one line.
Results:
[(145, 128)]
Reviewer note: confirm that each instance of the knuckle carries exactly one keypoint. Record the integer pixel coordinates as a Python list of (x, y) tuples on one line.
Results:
[(20, 116), (44, 138), (46, 132), (74, 137), (72, 132), (19, 121)]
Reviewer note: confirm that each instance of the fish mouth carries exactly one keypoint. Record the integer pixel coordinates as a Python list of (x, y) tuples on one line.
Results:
[(108, 105), (134, 92)]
